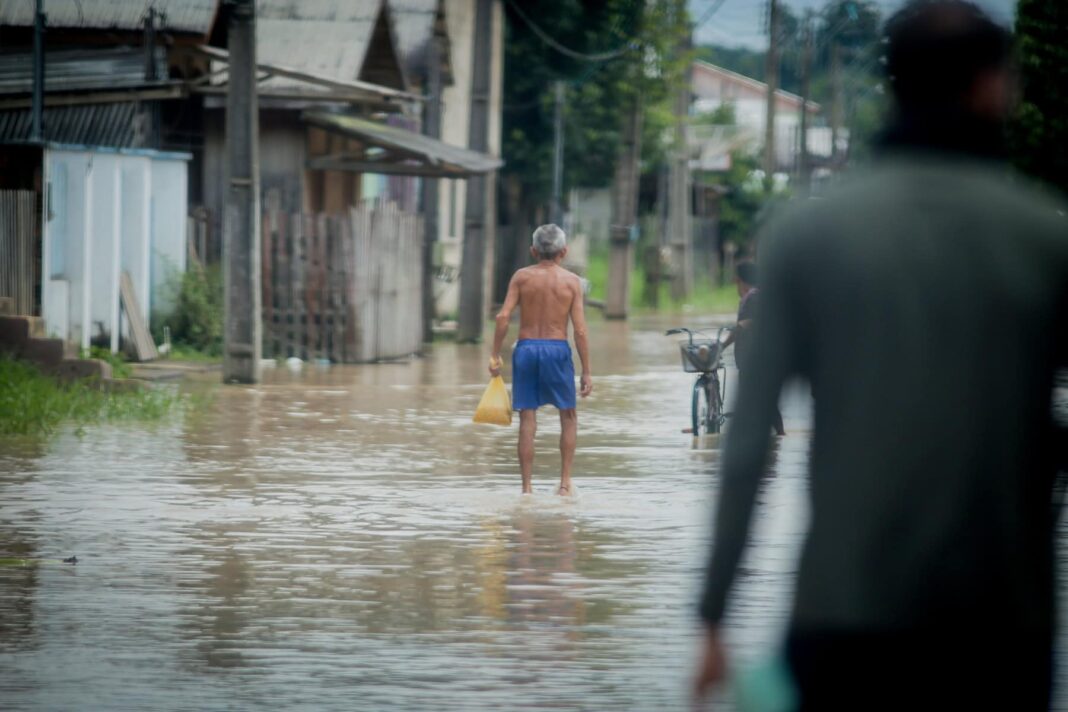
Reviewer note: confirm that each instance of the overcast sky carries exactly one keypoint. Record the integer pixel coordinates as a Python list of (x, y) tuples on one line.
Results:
[(741, 22)]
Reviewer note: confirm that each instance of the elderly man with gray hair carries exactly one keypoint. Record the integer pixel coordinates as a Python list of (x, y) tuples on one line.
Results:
[(543, 373)]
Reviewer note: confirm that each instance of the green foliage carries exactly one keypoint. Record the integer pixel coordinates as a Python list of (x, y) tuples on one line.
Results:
[(705, 299), (197, 319), (119, 366), (32, 403), (722, 115), (1040, 134), (743, 202), (598, 93)]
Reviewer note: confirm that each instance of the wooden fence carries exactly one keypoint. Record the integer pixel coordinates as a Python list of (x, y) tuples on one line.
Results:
[(18, 249), (343, 288)]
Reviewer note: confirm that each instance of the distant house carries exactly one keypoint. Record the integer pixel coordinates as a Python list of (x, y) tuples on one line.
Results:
[(715, 87), (107, 198), (133, 143)]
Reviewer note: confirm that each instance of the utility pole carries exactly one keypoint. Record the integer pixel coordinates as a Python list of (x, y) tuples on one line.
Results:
[(477, 231), (557, 212), (431, 186), (624, 214), (772, 78), (679, 192), (39, 21), (836, 98), (804, 174), (151, 76), (241, 233)]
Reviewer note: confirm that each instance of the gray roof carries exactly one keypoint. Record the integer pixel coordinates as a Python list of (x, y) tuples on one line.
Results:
[(427, 156), (117, 125), (328, 38), (79, 69), (192, 16)]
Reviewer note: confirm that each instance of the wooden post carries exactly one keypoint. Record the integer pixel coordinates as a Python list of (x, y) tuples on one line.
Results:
[(680, 228), (242, 334), (806, 72), (478, 232), (836, 98), (431, 186), (624, 214), (772, 78)]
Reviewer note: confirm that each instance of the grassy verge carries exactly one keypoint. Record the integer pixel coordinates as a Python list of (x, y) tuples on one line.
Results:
[(705, 298), (31, 402), (120, 367), (183, 352)]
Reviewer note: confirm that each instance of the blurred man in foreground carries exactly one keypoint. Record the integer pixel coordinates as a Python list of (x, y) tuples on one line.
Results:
[(927, 305)]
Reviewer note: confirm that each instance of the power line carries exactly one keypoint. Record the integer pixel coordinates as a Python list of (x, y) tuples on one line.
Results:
[(709, 13), (567, 51)]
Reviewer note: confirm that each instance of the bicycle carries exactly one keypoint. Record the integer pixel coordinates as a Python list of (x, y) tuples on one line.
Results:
[(704, 356)]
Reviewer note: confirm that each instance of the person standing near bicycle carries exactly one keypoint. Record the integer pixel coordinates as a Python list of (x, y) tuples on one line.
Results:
[(543, 373), (741, 336)]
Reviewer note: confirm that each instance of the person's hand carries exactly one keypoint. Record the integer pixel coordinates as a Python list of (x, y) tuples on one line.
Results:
[(711, 666), (585, 385), (496, 363)]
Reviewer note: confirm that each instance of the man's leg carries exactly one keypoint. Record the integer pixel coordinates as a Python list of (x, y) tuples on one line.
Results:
[(568, 437), (528, 425)]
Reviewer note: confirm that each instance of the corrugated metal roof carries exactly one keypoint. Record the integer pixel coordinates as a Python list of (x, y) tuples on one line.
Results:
[(112, 68), (329, 38), (118, 125), (192, 16), (450, 159)]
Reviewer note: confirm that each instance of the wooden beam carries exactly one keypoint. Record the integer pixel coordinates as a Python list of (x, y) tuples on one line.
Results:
[(356, 85), (111, 97), (326, 163)]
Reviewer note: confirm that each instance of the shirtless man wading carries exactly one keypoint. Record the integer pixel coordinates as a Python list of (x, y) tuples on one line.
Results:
[(542, 370)]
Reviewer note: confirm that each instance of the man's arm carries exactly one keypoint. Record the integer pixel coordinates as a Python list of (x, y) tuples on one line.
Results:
[(504, 317), (582, 342), (775, 356)]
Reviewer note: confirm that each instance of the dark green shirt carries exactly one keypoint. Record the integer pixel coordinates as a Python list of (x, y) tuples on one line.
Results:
[(927, 305)]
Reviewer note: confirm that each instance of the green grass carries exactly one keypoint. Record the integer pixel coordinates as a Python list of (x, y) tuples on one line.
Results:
[(33, 403), (182, 352), (119, 366), (705, 297)]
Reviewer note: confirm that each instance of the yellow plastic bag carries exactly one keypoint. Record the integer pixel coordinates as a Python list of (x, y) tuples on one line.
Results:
[(496, 405)]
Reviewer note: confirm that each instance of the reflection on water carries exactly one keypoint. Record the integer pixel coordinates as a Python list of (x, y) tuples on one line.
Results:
[(345, 538)]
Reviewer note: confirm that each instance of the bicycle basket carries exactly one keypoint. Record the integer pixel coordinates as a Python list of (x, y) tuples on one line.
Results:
[(701, 356)]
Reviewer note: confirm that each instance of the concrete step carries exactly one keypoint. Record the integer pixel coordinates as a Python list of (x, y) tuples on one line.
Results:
[(70, 369), (43, 352), (37, 327), (14, 332)]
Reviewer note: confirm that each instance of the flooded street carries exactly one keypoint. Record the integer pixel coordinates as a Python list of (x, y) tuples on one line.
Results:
[(345, 538)]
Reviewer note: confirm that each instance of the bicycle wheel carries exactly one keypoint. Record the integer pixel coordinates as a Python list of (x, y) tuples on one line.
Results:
[(699, 407), (714, 398)]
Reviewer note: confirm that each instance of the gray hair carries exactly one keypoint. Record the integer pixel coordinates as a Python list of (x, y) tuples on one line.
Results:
[(549, 241)]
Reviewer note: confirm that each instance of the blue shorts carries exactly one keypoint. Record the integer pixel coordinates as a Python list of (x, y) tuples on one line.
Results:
[(542, 374)]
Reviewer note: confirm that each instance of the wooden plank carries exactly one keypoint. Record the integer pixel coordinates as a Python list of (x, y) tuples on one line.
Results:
[(144, 346)]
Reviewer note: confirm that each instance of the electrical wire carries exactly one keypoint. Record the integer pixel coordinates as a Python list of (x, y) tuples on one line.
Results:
[(567, 51)]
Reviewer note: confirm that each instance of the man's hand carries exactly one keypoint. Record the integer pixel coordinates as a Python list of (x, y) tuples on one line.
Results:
[(585, 385), (496, 363), (711, 666)]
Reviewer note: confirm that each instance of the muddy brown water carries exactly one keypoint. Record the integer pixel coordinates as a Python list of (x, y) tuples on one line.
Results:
[(345, 538)]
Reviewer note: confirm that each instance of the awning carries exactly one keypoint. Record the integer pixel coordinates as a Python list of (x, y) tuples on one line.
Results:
[(396, 151)]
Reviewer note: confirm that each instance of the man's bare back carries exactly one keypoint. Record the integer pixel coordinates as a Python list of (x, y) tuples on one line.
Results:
[(547, 292)]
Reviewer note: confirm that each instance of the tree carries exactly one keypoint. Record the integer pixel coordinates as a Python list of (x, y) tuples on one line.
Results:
[(1040, 134), (597, 91)]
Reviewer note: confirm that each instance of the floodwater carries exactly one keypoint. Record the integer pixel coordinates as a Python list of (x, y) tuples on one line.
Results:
[(346, 539)]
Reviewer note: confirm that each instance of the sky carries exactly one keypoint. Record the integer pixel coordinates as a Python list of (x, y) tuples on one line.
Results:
[(742, 22)]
